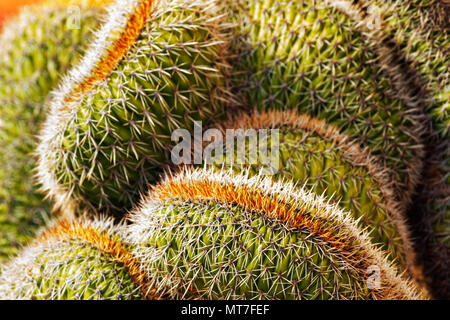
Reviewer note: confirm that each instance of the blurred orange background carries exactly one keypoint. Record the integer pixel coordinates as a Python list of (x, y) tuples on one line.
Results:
[(11, 7)]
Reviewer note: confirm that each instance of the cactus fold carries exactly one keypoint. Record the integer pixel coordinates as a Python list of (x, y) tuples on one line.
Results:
[(37, 46), (78, 259), (208, 234), (315, 155), (109, 131)]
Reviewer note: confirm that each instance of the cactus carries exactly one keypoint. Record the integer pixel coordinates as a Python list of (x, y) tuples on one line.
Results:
[(333, 68), (322, 58), (314, 154), (420, 31), (205, 234), (78, 259), (208, 234), (108, 134), (37, 46)]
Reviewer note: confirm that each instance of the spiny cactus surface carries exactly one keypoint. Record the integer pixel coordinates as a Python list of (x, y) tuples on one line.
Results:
[(79, 259), (420, 30), (315, 155), (102, 150), (208, 234), (38, 45), (313, 57)]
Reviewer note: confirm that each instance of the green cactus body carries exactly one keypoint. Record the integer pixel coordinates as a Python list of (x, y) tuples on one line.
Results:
[(74, 260), (421, 29), (206, 234), (117, 138), (37, 46), (312, 57), (315, 155)]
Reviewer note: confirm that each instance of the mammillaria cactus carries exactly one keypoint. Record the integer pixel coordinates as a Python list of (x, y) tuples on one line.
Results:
[(324, 58), (112, 122), (37, 46), (205, 234), (397, 72), (420, 31), (347, 83), (314, 154), (78, 259), (156, 66), (208, 234)]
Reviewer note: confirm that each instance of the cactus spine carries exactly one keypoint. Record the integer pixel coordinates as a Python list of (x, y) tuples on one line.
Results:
[(315, 155), (208, 234), (108, 134), (37, 46), (78, 259)]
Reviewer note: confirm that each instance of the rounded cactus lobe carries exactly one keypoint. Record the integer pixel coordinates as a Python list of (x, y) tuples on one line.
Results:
[(118, 138), (421, 30), (231, 253), (67, 266), (74, 260), (309, 56), (33, 63), (206, 234), (38, 45), (314, 155)]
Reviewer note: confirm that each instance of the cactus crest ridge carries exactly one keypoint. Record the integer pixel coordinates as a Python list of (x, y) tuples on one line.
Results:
[(105, 52), (38, 44), (154, 67), (293, 123), (162, 235), (88, 255), (303, 54)]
